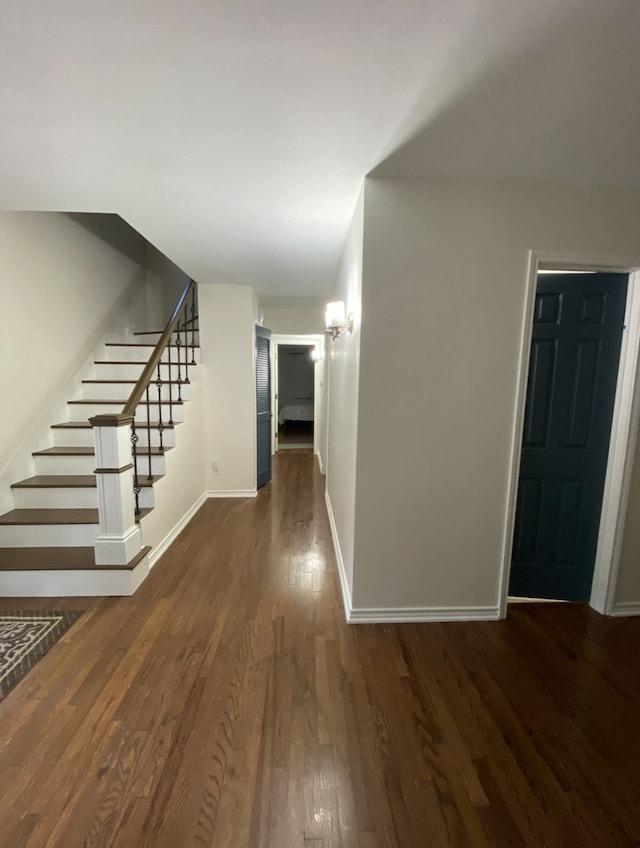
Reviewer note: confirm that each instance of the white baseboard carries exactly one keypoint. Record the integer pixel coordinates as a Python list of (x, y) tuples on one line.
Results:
[(173, 534), (232, 493), (320, 462), (399, 615), (346, 592), (625, 608)]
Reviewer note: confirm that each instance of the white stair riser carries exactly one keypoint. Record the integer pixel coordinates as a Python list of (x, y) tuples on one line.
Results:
[(61, 498), (85, 583), (126, 371), (69, 498), (83, 437), (140, 354), (52, 464), (48, 535), (84, 411), (121, 391)]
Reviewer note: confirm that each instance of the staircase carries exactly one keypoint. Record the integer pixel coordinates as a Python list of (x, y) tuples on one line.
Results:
[(47, 541)]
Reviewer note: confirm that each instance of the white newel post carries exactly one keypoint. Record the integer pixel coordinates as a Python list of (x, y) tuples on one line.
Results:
[(120, 538)]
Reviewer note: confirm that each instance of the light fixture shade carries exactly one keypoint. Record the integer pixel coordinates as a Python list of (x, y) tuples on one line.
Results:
[(334, 315)]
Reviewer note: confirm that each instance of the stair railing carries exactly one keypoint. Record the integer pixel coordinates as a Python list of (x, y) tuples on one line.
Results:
[(182, 322), (119, 461)]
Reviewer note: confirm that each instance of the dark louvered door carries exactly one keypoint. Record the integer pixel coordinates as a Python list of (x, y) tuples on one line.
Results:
[(263, 405), (575, 351)]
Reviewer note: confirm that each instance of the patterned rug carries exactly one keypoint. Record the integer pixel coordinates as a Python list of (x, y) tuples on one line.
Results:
[(25, 637)]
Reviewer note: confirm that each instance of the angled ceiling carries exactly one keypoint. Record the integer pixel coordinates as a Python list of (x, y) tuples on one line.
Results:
[(235, 134)]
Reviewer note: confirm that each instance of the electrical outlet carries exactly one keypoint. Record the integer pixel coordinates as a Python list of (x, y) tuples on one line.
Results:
[(215, 466)]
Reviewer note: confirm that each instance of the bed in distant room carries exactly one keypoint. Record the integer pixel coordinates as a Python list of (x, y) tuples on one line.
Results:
[(300, 410)]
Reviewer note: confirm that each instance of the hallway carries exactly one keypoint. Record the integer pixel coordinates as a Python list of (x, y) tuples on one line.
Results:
[(229, 704)]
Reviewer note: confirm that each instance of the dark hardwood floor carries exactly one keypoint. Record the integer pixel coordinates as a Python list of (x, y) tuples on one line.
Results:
[(228, 704)]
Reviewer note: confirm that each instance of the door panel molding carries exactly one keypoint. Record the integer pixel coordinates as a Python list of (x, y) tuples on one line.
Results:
[(626, 416)]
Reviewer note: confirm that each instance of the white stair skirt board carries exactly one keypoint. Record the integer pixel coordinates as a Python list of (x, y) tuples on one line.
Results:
[(76, 583), (232, 493), (173, 534), (625, 608), (48, 535)]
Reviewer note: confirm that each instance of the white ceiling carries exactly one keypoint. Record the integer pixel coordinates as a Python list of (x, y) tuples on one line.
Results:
[(235, 134)]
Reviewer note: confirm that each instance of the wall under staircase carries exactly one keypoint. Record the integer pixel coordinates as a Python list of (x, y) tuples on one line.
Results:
[(46, 541)]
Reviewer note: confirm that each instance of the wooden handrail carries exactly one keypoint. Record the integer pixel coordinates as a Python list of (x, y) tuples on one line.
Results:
[(147, 374)]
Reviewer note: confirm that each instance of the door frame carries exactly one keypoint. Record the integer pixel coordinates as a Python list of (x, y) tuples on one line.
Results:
[(626, 414), (316, 341)]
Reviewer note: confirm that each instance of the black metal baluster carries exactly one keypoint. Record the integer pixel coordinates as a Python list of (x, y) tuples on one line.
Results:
[(150, 477), (170, 384), (179, 371), (160, 425), (186, 346), (193, 326), (134, 451)]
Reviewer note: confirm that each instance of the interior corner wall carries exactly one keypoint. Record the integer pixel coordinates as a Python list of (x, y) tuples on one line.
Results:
[(65, 278), (341, 392), (227, 339), (443, 298)]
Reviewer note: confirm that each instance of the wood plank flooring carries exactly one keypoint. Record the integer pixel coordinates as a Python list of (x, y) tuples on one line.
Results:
[(228, 704)]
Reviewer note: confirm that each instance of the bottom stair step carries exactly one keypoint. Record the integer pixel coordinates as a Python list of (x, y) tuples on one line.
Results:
[(67, 572), (59, 559)]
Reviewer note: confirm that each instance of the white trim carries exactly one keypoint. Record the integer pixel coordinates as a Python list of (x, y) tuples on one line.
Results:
[(315, 340), (320, 463), (624, 609), (399, 615), (231, 493), (172, 535), (346, 592), (626, 412), (620, 461)]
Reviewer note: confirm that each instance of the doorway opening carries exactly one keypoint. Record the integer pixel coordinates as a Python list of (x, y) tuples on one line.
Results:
[(565, 538), (296, 396)]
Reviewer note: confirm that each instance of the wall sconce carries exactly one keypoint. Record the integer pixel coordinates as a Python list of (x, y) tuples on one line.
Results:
[(335, 322)]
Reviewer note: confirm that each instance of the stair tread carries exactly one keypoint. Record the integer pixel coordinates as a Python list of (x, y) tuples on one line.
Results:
[(55, 516), (50, 516), (66, 481), (58, 559), (89, 451)]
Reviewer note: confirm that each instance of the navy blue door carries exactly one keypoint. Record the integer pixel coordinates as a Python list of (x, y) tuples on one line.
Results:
[(575, 351), (263, 405)]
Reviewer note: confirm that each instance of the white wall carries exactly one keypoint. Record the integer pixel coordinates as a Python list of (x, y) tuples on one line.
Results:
[(342, 403), (445, 268), (295, 321), (227, 341), (181, 489), (65, 280)]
